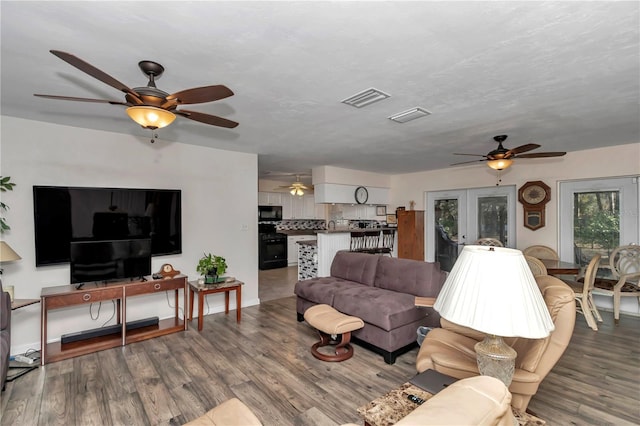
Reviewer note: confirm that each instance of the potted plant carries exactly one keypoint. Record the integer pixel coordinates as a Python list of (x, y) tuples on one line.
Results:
[(211, 267)]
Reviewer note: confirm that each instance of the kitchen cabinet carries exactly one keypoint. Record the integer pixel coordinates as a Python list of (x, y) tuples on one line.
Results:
[(292, 246), (345, 194), (297, 207), (270, 198), (411, 234)]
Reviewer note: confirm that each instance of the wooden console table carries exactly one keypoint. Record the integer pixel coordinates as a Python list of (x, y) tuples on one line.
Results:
[(68, 295)]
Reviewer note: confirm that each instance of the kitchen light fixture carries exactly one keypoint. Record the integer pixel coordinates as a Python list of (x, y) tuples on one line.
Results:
[(492, 290), (297, 191), (408, 115), (151, 117), (366, 97), (500, 164)]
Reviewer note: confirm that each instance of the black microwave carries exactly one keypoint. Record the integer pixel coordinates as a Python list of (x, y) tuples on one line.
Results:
[(269, 213)]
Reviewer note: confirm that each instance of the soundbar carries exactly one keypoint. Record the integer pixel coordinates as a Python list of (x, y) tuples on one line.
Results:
[(107, 330)]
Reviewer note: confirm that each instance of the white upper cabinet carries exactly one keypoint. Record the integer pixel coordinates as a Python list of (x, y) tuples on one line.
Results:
[(270, 198), (345, 194)]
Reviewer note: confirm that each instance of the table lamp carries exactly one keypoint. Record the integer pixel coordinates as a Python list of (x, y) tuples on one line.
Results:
[(7, 254), (492, 290)]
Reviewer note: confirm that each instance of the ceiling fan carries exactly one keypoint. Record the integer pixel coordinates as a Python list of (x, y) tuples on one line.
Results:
[(297, 187), (501, 158), (149, 106)]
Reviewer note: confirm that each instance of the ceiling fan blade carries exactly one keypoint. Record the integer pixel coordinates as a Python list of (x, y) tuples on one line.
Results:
[(206, 118), (199, 95), (94, 72), (475, 155), (524, 148), (71, 98), (542, 155), (467, 162)]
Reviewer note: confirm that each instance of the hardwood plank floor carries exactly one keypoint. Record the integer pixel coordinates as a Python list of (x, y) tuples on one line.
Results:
[(265, 361)]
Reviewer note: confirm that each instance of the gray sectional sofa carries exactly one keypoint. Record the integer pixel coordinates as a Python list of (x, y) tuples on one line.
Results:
[(381, 291)]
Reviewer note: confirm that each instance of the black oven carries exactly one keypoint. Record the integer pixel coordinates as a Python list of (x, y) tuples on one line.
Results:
[(271, 213), (272, 250)]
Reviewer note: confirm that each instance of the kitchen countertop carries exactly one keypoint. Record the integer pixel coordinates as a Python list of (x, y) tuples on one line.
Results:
[(295, 232), (335, 231)]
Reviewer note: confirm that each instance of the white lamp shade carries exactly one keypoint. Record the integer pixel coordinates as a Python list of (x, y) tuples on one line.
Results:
[(492, 290)]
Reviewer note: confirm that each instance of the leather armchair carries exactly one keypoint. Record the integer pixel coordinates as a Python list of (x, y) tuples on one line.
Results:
[(450, 349), (5, 334)]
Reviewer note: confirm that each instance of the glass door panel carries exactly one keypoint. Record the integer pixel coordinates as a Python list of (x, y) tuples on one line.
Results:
[(446, 239), (492, 218)]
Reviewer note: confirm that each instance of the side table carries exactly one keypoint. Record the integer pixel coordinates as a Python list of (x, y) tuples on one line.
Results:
[(222, 287), (20, 368)]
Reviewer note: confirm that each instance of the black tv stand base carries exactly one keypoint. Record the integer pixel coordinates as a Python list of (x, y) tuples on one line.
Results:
[(107, 330)]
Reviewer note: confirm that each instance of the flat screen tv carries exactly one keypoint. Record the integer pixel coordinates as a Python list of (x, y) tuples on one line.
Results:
[(109, 260), (66, 214)]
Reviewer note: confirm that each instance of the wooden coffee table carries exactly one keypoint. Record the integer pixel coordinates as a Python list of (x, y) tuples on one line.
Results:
[(395, 404), (204, 289)]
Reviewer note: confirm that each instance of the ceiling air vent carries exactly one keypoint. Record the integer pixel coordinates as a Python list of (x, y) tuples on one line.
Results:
[(365, 97), (408, 115)]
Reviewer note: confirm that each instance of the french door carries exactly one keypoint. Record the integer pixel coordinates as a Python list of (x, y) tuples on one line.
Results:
[(459, 217)]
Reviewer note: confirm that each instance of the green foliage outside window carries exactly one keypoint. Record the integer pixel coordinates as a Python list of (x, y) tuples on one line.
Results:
[(5, 185), (597, 220)]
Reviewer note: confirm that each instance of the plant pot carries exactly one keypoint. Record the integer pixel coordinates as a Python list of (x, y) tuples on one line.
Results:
[(211, 277)]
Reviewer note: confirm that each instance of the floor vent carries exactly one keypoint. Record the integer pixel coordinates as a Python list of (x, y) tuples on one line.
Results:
[(408, 115), (366, 97)]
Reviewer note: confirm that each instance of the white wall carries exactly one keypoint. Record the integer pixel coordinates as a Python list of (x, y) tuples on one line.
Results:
[(330, 174), (219, 204)]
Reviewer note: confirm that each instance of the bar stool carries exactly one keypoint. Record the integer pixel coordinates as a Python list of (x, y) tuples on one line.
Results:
[(357, 241), (386, 247)]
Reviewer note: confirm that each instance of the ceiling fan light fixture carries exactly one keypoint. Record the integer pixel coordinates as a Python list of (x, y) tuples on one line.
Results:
[(500, 164), (151, 117)]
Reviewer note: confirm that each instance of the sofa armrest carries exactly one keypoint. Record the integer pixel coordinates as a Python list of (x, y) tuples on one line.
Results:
[(5, 310), (486, 402)]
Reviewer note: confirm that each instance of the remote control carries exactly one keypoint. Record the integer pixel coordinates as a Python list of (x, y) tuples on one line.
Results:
[(415, 399), (24, 359)]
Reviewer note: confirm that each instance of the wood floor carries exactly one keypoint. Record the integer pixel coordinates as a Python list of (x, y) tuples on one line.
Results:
[(265, 361)]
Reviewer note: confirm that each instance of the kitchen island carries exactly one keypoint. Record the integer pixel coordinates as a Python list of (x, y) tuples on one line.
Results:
[(329, 242)]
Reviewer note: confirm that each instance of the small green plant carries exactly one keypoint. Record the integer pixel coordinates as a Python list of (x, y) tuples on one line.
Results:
[(210, 263), (5, 185)]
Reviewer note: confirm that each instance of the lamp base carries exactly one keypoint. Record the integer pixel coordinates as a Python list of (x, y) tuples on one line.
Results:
[(496, 358)]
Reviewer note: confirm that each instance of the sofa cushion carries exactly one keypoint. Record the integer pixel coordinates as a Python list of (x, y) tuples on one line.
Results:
[(358, 267), (383, 308), (322, 290), (409, 276)]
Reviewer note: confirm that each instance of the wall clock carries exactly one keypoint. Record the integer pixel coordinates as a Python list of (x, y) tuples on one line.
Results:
[(167, 271), (534, 197), (362, 195)]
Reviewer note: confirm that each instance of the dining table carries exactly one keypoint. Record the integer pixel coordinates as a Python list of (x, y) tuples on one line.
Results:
[(559, 267)]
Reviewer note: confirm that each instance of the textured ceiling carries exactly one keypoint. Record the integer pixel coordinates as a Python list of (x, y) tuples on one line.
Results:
[(564, 75)]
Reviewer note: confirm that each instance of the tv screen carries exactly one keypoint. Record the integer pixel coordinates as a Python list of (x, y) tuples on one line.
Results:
[(66, 214), (109, 260)]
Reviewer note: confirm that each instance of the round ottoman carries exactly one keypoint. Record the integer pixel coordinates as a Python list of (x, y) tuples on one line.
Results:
[(330, 323)]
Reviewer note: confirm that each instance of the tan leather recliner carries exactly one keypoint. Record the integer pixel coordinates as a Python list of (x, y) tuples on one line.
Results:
[(450, 349)]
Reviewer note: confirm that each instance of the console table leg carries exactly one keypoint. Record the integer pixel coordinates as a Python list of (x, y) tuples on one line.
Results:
[(226, 302), (238, 303), (200, 310)]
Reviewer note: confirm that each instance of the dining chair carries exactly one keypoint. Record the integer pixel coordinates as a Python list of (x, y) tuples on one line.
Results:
[(492, 242), (541, 252), (624, 262), (536, 266), (583, 289)]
